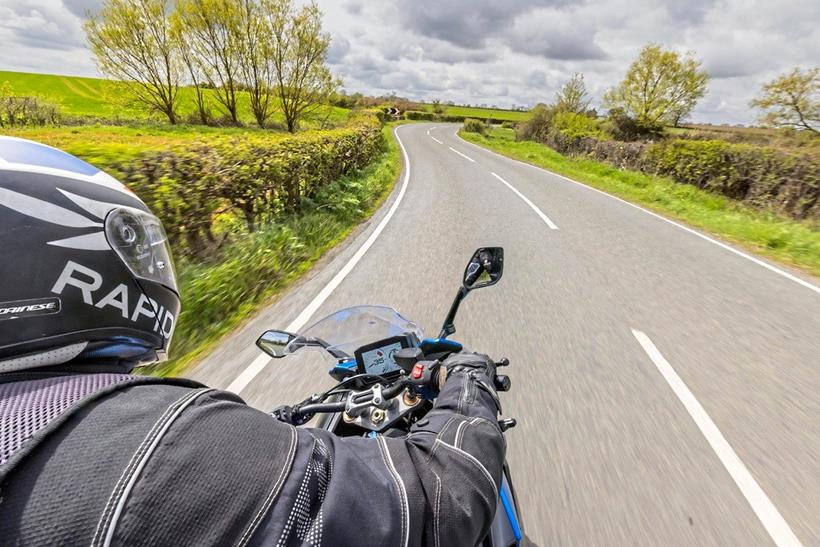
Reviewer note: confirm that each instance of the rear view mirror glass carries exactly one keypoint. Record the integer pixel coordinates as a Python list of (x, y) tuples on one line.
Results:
[(485, 268), (275, 342)]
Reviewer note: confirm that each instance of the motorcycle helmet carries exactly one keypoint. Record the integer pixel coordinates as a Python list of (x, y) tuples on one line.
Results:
[(87, 274)]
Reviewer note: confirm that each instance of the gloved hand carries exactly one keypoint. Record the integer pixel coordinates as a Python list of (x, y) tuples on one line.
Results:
[(474, 365), (466, 361)]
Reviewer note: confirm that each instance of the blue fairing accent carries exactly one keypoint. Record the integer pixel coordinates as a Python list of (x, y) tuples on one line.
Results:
[(508, 508), (31, 153), (441, 341), (343, 369), (122, 351)]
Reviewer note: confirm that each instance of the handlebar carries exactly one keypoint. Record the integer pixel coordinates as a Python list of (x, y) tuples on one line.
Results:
[(300, 414)]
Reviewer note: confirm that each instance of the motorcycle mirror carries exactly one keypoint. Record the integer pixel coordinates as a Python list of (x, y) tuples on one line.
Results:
[(485, 268), (275, 342)]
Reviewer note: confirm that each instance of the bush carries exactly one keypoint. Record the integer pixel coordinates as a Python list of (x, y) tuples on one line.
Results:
[(474, 126), (252, 179), (624, 128), (508, 124), (575, 125), (19, 111), (536, 127)]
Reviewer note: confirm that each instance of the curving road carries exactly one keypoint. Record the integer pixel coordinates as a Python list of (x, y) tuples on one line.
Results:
[(667, 386)]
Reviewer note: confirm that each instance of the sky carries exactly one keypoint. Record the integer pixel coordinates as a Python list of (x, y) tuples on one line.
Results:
[(496, 52)]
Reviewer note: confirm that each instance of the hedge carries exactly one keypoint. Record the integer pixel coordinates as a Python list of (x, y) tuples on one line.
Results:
[(251, 179), (768, 178)]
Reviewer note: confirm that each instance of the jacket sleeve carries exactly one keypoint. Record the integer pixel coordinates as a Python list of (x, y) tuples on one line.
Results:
[(436, 486)]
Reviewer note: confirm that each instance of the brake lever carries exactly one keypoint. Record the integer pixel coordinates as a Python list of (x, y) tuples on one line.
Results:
[(291, 415)]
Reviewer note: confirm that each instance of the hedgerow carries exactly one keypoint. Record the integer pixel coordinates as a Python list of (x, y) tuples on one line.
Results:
[(764, 177), (252, 180)]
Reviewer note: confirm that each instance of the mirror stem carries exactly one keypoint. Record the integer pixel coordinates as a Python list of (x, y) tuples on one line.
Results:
[(449, 327)]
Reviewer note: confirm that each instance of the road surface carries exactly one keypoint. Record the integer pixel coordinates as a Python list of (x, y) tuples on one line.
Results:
[(666, 386)]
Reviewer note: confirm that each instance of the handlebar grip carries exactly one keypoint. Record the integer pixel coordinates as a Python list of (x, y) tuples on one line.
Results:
[(503, 362), (502, 382)]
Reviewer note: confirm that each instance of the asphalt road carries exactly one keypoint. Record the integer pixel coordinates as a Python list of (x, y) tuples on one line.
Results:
[(667, 389)]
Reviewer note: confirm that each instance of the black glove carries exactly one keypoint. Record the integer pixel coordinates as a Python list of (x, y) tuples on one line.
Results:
[(470, 362), (477, 366)]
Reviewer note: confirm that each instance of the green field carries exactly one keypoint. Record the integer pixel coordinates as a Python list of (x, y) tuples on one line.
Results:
[(480, 113), (99, 99), (792, 242)]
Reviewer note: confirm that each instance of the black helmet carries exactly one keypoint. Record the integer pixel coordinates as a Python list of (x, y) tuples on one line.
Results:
[(86, 272)]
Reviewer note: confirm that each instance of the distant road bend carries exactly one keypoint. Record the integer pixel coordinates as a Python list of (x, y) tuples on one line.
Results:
[(665, 384)]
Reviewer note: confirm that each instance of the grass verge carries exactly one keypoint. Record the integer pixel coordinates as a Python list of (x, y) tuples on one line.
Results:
[(788, 241), (218, 296)]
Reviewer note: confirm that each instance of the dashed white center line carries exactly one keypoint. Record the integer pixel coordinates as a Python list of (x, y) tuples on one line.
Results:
[(534, 207), (438, 141), (465, 156), (769, 516)]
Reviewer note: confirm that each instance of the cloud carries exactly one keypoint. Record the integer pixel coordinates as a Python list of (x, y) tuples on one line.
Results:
[(81, 7), (40, 26), (465, 23), (551, 35), (339, 47)]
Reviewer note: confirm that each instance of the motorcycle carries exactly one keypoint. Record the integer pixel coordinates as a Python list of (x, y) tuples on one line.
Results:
[(382, 365)]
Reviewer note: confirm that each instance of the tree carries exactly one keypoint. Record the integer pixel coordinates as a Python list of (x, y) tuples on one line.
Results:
[(572, 97), (255, 53), (299, 49), (196, 77), (660, 87), (437, 107), (132, 41), (792, 100), (210, 31)]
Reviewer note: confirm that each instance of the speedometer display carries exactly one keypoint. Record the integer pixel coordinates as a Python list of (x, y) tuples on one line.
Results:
[(380, 360)]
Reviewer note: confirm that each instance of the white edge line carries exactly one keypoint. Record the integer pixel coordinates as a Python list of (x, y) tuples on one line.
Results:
[(538, 211), (692, 231), (765, 510), (465, 156), (435, 139), (247, 375)]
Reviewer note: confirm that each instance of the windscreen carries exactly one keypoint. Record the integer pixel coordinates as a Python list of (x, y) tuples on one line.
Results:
[(344, 331)]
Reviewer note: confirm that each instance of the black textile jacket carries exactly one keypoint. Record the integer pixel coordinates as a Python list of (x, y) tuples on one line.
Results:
[(114, 459)]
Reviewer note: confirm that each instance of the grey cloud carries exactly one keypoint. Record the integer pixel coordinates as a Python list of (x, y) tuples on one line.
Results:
[(339, 47), (689, 11), (42, 27), (466, 23), (353, 8), (547, 34), (81, 7), (443, 52), (537, 79), (560, 46)]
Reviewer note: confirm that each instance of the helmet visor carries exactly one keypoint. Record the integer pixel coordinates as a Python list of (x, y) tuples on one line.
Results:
[(140, 241)]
